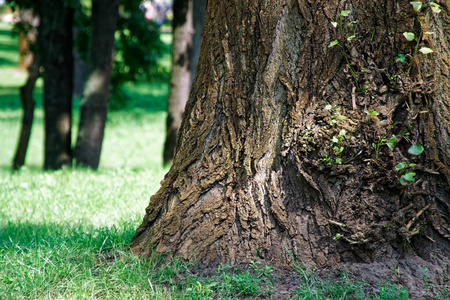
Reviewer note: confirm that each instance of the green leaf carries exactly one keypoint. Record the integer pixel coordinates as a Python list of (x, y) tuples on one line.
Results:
[(335, 140), (417, 5), (351, 37), (402, 181), (342, 132), (333, 43), (409, 36), (401, 57), (339, 161), (329, 106), (345, 13), (400, 166), (425, 50), (409, 176), (334, 24), (435, 7), (390, 142), (415, 149)]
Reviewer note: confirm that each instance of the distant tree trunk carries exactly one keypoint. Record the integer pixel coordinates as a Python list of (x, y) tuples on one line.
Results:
[(27, 28), (56, 34), (79, 61), (28, 104), (198, 13), (180, 76), (33, 63), (284, 143), (94, 105)]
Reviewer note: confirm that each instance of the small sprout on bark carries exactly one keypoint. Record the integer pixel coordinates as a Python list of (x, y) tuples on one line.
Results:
[(401, 58), (417, 5), (435, 7), (425, 50), (390, 142), (408, 177), (409, 36), (333, 43), (415, 149), (372, 112), (337, 236)]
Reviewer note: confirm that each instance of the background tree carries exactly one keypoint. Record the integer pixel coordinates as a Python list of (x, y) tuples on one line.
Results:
[(56, 36), (188, 19), (30, 59), (291, 143), (180, 76), (94, 105)]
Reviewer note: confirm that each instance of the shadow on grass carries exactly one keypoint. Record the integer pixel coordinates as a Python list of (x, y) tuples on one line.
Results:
[(26, 236)]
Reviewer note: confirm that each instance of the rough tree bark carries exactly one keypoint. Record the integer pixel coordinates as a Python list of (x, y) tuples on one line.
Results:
[(56, 34), (180, 76), (94, 105), (276, 151)]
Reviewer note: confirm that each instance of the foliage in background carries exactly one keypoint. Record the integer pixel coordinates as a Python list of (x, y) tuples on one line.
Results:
[(138, 48)]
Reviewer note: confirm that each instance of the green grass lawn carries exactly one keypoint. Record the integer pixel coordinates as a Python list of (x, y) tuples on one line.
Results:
[(63, 234)]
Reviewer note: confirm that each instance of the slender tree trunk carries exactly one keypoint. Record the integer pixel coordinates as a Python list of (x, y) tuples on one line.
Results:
[(27, 36), (286, 141), (30, 23), (180, 77), (56, 33), (198, 17), (28, 104), (94, 105)]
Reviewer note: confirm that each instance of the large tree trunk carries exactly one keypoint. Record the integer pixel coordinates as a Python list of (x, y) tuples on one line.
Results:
[(94, 105), (180, 76), (266, 160), (56, 34)]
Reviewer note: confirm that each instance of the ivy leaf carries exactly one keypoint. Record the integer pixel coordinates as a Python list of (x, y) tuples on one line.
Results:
[(409, 35), (390, 142), (401, 57), (435, 7), (400, 166), (415, 149), (333, 43), (345, 13), (417, 5), (409, 176), (425, 50)]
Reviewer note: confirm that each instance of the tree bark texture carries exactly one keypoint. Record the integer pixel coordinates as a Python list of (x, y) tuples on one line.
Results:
[(277, 153), (28, 104), (56, 33), (180, 76), (94, 105)]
